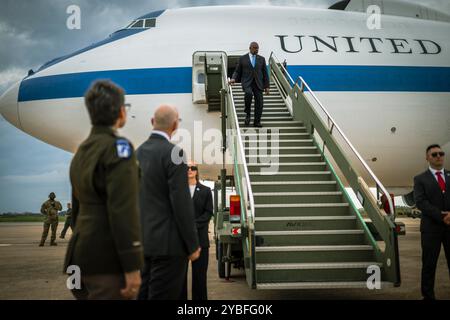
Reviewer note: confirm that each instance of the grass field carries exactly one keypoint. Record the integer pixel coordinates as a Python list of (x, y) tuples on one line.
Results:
[(25, 218)]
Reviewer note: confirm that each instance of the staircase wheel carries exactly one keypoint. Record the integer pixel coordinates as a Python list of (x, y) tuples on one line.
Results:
[(220, 263)]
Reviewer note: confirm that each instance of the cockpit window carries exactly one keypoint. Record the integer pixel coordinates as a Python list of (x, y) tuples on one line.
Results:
[(142, 24), (150, 23), (138, 24)]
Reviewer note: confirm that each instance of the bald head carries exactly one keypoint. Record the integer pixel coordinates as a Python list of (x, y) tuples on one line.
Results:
[(165, 118)]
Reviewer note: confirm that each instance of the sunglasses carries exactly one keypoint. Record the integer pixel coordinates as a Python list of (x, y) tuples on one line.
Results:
[(192, 168), (440, 154)]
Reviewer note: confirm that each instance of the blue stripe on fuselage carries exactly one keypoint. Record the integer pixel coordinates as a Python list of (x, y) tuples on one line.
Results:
[(133, 81), (179, 80), (374, 78)]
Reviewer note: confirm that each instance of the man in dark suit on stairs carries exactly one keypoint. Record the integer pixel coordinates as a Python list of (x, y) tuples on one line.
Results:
[(432, 196), (251, 72)]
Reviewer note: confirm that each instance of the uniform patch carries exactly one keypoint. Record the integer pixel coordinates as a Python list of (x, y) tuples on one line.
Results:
[(123, 148)]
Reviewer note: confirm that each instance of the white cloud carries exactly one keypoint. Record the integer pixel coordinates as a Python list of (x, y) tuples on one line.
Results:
[(25, 37), (52, 176), (10, 76)]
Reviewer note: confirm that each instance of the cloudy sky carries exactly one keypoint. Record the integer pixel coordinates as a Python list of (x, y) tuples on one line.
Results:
[(33, 32)]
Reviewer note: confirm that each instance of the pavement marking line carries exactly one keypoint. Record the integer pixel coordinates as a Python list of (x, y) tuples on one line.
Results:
[(5, 245)]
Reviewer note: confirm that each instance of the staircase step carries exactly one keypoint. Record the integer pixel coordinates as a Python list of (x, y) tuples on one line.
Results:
[(271, 113), (272, 150), (317, 285), (265, 115), (269, 118), (278, 101), (329, 248), (316, 266), (241, 109), (262, 142), (241, 97), (274, 130), (266, 103), (240, 106), (296, 272), (281, 223), (239, 92), (240, 101), (291, 176), (238, 89), (311, 237), (281, 186), (302, 209), (297, 197), (278, 124), (281, 158), (277, 167), (273, 135), (237, 84)]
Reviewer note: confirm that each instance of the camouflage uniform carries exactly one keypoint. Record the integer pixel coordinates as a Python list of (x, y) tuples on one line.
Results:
[(67, 224), (50, 209)]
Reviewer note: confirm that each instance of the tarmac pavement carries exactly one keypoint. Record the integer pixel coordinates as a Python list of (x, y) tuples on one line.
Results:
[(31, 272)]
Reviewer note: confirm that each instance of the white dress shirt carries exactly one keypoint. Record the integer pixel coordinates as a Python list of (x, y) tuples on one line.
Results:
[(433, 171), (192, 189), (251, 57), (161, 133)]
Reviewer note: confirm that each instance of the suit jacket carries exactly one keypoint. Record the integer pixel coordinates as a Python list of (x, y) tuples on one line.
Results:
[(431, 201), (167, 211), (203, 208), (105, 214), (245, 73)]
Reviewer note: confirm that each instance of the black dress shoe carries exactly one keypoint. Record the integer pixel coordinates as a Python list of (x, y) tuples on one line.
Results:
[(247, 120), (258, 125)]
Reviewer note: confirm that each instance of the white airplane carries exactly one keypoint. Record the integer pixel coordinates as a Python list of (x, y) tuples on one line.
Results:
[(388, 88)]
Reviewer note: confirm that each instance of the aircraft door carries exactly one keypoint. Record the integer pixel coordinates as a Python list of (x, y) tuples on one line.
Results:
[(199, 77), (207, 78)]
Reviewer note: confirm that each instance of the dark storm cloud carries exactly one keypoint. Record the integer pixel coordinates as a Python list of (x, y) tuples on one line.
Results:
[(36, 31)]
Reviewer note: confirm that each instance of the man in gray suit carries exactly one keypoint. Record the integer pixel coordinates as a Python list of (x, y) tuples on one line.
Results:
[(251, 72), (167, 213)]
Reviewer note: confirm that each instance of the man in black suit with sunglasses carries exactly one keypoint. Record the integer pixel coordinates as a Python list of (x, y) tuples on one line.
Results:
[(432, 197)]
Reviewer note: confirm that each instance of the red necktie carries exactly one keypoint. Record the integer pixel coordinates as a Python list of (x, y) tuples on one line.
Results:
[(440, 181)]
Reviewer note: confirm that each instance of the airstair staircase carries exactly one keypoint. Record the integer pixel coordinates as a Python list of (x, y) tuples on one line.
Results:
[(304, 231)]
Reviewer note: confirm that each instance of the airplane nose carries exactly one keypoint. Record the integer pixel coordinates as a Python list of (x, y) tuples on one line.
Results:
[(9, 105)]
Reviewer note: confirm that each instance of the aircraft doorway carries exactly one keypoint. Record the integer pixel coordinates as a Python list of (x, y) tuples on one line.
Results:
[(207, 76), (232, 62)]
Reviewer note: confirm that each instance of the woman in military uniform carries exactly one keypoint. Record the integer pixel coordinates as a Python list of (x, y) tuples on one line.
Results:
[(106, 240)]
